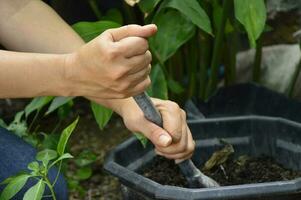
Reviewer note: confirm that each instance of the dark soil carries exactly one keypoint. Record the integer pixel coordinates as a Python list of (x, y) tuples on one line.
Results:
[(165, 172), (243, 170)]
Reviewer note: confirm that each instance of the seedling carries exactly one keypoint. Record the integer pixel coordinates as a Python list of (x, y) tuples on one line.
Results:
[(39, 169)]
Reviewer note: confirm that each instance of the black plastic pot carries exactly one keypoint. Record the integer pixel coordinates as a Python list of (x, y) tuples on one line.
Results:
[(250, 99), (252, 135)]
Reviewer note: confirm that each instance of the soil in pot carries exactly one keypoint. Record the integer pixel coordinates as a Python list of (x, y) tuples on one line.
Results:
[(225, 169)]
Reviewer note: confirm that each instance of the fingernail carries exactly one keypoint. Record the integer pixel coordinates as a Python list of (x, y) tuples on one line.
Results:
[(164, 140)]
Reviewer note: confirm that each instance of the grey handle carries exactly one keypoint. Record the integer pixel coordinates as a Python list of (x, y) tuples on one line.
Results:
[(188, 169)]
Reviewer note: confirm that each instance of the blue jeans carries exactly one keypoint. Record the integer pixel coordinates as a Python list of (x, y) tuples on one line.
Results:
[(15, 154)]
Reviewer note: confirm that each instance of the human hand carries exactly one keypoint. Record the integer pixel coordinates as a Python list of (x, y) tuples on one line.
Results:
[(174, 141), (116, 64)]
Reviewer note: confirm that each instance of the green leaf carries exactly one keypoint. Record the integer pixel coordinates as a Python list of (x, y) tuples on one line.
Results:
[(65, 136), (64, 111), (193, 11), (14, 186), (46, 155), (58, 102), (62, 157), (18, 126), (252, 15), (147, 6), (101, 114), (3, 124), (35, 192), (83, 173), (85, 158), (90, 30), (142, 139), (36, 104), (175, 87), (158, 87), (174, 30), (33, 140), (34, 166)]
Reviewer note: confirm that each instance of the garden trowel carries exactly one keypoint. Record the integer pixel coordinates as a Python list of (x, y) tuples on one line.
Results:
[(194, 177)]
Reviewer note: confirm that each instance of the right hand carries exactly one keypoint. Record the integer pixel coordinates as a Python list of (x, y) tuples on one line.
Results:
[(114, 65)]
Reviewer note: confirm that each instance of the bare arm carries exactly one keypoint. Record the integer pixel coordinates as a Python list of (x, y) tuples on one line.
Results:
[(32, 26), (103, 68), (114, 65)]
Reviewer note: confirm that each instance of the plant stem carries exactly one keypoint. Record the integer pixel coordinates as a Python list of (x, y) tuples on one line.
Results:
[(205, 53), (205, 57), (230, 59), (34, 120), (292, 85), (217, 49), (56, 126), (50, 188), (257, 61), (95, 9), (191, 59), (57, 175)]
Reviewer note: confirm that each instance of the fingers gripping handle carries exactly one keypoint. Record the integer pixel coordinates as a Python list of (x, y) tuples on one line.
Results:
[(152, 114), (148, 108)]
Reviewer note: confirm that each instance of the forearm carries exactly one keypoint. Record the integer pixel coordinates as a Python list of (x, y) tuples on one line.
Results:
[(32, 26), (31, 74)]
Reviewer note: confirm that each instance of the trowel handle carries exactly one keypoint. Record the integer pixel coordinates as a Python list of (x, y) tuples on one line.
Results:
[(152, 114), (148, 108)]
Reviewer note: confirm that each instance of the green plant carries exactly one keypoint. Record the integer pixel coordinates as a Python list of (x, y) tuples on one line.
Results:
[(84, 171), (189, 48), (38, 170)]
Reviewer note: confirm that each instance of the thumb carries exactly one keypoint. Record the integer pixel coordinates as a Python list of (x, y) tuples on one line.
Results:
[(132, 31), (156, 134)]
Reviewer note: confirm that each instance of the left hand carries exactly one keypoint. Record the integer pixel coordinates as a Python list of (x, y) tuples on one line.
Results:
[(174, 141)]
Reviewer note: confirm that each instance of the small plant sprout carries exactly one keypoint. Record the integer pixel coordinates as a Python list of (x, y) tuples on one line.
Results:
[(38, 169)]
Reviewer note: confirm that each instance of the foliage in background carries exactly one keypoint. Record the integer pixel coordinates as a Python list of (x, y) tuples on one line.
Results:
[(195, 39)]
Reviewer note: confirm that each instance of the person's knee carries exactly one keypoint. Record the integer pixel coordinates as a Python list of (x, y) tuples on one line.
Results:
[(60, 187)]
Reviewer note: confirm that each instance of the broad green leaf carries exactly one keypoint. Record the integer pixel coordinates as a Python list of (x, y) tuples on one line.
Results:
[(3, 124), (101, 114), (85, 158), (35, 192), (174, 30), (58, 102), (147, 6), (142, 139), (65, 136), (158, 87), (83, 173), (193, 11), (62, 157), (252, 15), (90, 30), (14, 186), (175, 87), (46, 155), (36, 104)]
